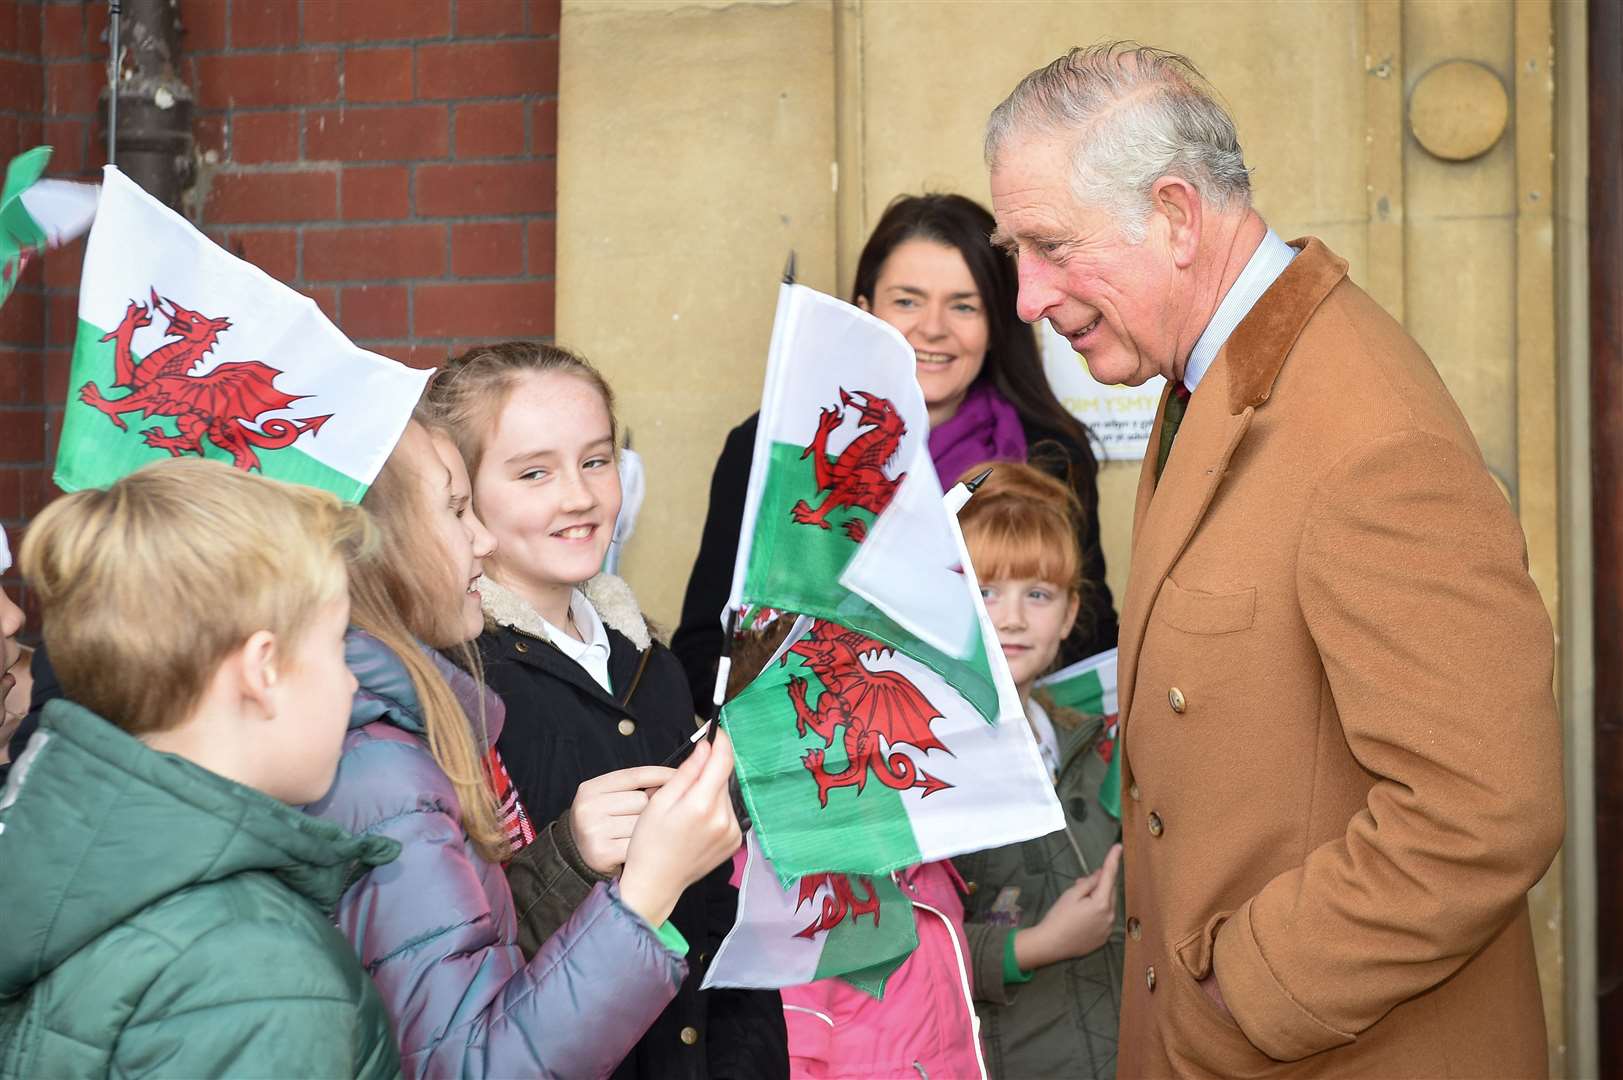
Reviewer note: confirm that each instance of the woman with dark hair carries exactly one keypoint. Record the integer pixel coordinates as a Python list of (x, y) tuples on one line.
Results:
[(930, 270)]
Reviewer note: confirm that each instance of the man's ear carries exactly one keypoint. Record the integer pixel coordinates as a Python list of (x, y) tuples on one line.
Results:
[(1176, 199), (257, 671)]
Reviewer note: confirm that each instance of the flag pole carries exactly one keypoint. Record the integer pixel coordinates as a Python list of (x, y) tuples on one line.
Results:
[(113, 12)]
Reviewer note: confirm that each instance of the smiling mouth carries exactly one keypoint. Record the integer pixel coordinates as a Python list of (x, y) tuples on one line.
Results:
[(1086, 330), (934, 359), (576, 532)]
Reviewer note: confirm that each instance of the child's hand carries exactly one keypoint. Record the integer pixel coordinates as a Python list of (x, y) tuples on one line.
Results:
[(605, 813), (1079, 922), (687, 830)]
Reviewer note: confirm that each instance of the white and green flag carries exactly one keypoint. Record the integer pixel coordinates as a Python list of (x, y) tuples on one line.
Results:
[(843, 519), (37, 214), (860, 929), (183, 348), (856, 758), (1089, 686)]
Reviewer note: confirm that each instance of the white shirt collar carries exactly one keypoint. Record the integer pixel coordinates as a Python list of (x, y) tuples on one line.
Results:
[(591, 654), (1261, 271)]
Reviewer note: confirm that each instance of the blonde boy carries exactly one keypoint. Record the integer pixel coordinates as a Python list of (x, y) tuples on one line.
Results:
[(167, 911)]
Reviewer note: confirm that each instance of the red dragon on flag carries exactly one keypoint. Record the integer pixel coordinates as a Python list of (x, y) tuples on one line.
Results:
[(856, 478), (880, 711), (219, 405), (840, 901)]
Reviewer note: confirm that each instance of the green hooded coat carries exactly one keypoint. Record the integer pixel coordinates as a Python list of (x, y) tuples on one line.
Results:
[(160, 920)]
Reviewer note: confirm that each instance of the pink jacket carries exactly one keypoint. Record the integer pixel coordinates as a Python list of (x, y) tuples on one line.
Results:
[(925, 1026)]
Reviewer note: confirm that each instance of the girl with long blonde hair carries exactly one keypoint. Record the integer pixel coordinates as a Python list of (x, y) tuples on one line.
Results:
[(438, 929)]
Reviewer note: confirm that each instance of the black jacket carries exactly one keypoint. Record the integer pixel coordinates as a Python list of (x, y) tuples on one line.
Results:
[(46, 688), (697, 642), (562, 728)]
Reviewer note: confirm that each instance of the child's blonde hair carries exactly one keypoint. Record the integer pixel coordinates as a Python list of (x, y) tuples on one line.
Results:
[(403, 593), (1022, 523), (470, 391), (147, 586)]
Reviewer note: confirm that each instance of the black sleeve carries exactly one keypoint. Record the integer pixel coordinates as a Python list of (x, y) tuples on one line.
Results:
[(697, 641), (1096, 627), (46, 688)]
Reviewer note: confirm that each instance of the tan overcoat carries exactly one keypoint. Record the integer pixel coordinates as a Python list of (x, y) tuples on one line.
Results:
[(1343, 762)]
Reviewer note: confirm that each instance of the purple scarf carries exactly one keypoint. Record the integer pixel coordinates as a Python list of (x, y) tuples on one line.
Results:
[(985, 428)]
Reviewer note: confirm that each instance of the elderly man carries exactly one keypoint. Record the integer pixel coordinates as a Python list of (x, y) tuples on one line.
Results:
[(1342, 758)]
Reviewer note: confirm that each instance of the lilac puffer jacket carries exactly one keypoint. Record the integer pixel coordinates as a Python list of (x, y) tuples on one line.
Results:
[(436, 928), (924, 1028)]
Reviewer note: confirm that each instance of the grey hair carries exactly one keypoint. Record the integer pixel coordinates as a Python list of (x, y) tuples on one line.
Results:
[(1136, 114)]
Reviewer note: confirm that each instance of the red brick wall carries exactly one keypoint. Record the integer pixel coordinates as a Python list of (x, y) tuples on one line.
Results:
[(393, 160)]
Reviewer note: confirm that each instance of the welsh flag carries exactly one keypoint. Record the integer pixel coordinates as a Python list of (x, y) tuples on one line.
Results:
[(37, 215), (183, 348), (1089, 686), (887, 731), (860, 929), (843, 519), (856, 758)]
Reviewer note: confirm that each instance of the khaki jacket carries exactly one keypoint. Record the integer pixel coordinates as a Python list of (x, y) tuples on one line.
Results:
[(1343, 761)]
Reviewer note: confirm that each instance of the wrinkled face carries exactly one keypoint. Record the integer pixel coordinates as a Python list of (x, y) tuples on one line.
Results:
[(1032, 618), (1114, 301), (313, 693), (926, 291), (547, 484), (448, 496)]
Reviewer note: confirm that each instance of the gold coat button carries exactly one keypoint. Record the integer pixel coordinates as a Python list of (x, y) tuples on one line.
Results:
[(1156, 828), (1149, 978), (1134, 929), (1132, 790), (520, 646), (1176, 700), (690, 1035), (626, 726), (970, 887)]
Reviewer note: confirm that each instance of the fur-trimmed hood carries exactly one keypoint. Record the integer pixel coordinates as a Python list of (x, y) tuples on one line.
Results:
[(612, 598)]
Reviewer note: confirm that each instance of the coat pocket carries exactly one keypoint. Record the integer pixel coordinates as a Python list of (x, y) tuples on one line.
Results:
[(1196, 612), (1202, 1040)]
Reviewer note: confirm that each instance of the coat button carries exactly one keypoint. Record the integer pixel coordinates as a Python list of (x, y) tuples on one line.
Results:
[(1077, 807), (1134, 929), (1176, 700), (690, 1035), (1132, 791), (1149, 978), (521, 646), (1156, 828), (969, 888), (626, 726)]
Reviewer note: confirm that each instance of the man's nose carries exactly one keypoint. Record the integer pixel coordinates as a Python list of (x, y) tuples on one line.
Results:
[(1037, 291)]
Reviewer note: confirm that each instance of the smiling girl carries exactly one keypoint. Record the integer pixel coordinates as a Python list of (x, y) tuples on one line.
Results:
[(588, 689), (1042, 919), (438, 929)]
